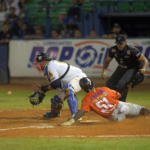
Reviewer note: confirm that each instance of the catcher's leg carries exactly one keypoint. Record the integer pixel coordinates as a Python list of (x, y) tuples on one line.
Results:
[(72, 102), (56, 106), (71, 99)]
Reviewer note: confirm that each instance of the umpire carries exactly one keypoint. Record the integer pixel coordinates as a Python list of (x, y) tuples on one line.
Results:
[(131, 66)]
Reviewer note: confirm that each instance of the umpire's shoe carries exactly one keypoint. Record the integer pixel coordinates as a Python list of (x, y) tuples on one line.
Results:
[(51, 115)]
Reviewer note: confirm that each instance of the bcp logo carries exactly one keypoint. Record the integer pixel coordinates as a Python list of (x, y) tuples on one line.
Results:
[(86, 56)]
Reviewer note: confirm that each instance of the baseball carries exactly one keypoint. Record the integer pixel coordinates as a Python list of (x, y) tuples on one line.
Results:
[(9, 93)]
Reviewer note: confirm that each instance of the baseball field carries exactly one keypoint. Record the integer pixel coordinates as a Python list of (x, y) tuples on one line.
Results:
[(22, 126)]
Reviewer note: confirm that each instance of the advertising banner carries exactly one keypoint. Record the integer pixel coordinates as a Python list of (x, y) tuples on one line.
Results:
[(89, 55)]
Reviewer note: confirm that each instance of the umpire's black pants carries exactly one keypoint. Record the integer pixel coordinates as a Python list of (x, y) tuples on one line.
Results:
[(120, 79)]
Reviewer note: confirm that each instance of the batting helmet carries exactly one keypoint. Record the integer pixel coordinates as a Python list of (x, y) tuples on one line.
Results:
[(43, 56), (86, 84)]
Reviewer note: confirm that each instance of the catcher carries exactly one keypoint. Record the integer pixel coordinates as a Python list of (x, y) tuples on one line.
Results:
[(62, 77), (104, 102)]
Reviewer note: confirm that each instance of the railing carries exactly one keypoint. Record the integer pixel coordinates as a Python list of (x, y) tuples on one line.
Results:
[(81, 23)]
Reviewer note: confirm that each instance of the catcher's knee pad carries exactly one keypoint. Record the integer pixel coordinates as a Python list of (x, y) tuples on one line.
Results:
[(72, 102), (56, 106), (55, 101), (67, 87)]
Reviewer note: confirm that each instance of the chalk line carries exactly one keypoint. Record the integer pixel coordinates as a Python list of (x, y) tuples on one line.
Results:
[(70, 136), (36, 127)]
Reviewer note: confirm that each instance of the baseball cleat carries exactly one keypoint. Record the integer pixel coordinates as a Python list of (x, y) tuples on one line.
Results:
[(51, 115), (80, 119)]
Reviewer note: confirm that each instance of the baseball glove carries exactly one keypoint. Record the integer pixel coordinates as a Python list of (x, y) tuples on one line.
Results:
[(36, 98), (138, 78)]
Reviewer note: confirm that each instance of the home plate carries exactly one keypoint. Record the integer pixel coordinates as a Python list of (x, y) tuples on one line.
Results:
[(90, 121)]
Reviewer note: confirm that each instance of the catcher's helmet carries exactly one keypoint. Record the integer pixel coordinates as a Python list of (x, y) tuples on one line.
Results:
[(86, 84), (43, 56)]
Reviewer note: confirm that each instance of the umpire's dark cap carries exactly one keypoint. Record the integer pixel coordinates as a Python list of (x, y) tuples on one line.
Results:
[(120, 39)]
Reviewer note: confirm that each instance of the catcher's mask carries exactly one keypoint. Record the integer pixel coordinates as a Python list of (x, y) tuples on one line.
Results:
[(41, 57), (86, 84)]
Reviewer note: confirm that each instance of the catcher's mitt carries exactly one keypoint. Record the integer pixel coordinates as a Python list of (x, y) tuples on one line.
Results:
[(36, 98), (138, 78)]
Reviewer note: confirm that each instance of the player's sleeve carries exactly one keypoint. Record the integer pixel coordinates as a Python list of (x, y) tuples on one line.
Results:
[(135, 53), (110, 53), (52, 74), (85, 105), (114, 94)]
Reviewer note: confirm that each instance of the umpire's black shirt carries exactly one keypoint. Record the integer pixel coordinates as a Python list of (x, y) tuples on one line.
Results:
[(128, 58)]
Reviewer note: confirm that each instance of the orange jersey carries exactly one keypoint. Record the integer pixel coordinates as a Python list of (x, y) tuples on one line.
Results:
[(102, 100)]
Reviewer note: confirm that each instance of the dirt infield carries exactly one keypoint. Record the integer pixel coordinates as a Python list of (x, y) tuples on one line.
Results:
[(30, 123), (23, 123)]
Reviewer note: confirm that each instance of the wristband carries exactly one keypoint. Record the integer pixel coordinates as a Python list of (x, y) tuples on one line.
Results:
[(45, 88)]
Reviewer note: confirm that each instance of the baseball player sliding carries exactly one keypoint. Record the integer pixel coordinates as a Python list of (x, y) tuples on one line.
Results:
[(104, 102)]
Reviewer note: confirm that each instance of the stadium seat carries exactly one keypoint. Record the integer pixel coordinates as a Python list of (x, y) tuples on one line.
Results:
[(54, 26), (32, 15), (65, 2), (148, 6), (31, 3), (87, 7), (138, 6), (124, 7)]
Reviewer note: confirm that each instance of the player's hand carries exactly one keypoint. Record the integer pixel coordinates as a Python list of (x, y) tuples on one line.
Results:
[(143, 71), (68, 123), (104, 75)]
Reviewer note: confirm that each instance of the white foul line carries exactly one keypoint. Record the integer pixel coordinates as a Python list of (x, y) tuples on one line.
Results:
[(98, 136), (68, 136), (36, 127)]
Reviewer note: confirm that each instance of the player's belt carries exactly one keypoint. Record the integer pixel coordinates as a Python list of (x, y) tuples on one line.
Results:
[(65, 72), (123, 66)]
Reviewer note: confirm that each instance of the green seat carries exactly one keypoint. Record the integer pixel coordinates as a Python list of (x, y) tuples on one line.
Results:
[(44, 1), (40, 16), (61, 4), (31, 4), (32, 15), (86, 10), (109, 4), (124, 7), (106, 3), (67, 2), (89, 4), (89, 7), (40, 20), (138, 6), (54, 20), (54, 13), (148, 6)]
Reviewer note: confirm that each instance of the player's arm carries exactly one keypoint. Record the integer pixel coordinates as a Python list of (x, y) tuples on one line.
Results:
[(143, 59), (105, 66), (114, 94), (84, 108), (119, 95), (78, 115), (54, 85), (55, 81)]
